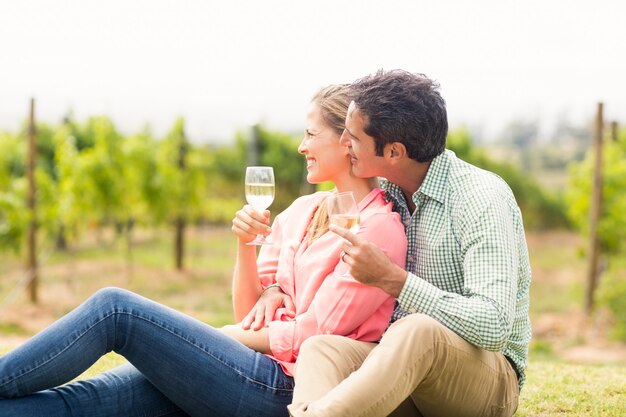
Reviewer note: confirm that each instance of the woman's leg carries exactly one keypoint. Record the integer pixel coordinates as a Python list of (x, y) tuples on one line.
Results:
[(123, 391), (197, 367)]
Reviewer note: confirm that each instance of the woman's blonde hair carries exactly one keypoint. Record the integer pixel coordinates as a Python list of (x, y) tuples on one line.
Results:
[(333, 102)]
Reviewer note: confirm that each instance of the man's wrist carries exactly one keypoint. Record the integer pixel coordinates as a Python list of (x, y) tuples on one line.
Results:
[(396, 282)]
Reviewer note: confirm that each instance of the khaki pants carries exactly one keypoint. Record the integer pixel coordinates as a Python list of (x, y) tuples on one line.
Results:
[(420, 368)]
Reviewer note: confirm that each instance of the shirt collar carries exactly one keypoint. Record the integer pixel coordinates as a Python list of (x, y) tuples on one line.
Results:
[(434, 184)]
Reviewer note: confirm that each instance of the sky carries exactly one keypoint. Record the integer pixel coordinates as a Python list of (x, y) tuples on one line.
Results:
[(225, 65)]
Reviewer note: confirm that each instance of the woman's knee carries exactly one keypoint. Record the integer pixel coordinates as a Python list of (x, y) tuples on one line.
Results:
[(111, 297)]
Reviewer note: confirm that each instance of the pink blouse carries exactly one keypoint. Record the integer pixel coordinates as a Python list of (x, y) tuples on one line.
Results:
[(326, 302)]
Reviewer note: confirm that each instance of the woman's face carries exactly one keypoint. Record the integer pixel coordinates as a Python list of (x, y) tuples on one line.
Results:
[(326, 159)]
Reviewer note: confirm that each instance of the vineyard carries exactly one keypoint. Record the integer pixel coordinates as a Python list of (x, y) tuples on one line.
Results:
[(151, 214)]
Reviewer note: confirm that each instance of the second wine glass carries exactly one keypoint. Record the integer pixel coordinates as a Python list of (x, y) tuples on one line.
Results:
[(260, 193), (343, 211)]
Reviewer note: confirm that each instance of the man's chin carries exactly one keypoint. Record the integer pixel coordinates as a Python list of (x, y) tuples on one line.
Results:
[(357, 171)]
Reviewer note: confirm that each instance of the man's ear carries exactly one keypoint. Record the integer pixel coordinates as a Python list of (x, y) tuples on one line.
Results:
[(395, 151)]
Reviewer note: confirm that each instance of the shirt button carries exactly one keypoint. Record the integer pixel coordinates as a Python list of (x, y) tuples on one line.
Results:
[(412, 310), (410, 258)]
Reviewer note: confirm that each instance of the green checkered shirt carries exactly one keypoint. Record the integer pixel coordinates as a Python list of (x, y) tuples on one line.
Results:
[(467, 258)]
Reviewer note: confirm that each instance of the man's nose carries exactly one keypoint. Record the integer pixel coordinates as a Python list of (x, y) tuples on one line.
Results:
[(344, 139)]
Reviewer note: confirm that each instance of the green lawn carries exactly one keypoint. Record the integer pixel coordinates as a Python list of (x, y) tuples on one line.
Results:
[(560, 389)]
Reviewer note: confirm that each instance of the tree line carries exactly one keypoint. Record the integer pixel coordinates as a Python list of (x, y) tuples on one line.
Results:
[(91, 177)]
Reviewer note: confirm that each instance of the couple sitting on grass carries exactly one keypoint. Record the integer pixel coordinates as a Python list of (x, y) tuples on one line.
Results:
[(432, 319)]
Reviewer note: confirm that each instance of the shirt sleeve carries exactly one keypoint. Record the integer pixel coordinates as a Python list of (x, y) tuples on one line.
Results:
[(483, 313), (342, 305)]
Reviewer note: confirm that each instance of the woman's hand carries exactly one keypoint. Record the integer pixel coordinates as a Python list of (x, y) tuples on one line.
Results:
[(263, 311), (248, 223)]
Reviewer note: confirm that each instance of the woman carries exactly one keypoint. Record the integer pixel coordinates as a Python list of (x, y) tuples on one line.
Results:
[(179, 366)]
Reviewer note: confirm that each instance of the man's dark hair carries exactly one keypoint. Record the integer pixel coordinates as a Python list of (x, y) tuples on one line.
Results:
[(399, 106)]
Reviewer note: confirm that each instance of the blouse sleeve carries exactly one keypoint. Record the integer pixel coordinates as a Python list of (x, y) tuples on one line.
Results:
[(342, 305)]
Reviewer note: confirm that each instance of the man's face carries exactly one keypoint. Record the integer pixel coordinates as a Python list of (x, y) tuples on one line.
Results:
[(365, 163)]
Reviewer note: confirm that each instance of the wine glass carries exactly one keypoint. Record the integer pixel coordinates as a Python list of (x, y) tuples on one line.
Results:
[(259, 193), (343, 211)]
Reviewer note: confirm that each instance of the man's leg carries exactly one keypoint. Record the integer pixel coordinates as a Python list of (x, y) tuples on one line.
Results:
[(443, 374), (323, 362)]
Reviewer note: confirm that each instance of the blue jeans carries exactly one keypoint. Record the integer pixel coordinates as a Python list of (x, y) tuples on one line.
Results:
[(178, 366)]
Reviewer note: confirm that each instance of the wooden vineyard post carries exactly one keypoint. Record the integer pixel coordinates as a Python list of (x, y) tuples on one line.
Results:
[(181, 222), (31, 261), (595, 212)]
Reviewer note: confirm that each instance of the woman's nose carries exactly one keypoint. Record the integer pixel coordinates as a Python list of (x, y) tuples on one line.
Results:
[(302, 146)]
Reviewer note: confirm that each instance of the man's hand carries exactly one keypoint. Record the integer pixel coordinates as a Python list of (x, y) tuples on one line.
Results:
[(368, 264), (263, 311), (248, 223)]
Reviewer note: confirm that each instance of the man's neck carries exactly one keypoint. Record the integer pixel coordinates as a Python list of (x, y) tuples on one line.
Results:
[(409, 177)]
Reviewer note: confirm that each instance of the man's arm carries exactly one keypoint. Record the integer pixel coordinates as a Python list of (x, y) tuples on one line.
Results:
[(369, 264), (483, 313)]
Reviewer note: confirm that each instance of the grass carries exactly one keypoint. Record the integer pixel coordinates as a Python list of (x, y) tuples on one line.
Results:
[(556, 386)]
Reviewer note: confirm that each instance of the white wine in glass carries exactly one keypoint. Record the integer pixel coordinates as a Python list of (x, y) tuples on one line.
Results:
[(343, 211), (347, 221), (259, 185)]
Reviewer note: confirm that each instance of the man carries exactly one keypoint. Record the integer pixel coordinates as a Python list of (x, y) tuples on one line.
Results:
[(458, 341)]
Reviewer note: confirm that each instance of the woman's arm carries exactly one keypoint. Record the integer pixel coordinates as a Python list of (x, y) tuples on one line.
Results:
[(258, 340), (246, 285)]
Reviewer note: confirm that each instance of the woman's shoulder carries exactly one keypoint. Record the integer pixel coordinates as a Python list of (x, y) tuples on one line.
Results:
[(375, 201), (305, 202), (311, 198), (379, 208)]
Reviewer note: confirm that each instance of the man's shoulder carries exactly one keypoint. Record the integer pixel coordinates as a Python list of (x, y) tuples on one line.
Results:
[(465, 178)]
